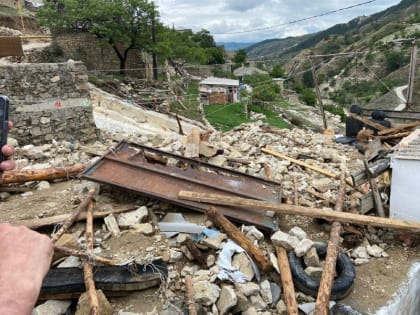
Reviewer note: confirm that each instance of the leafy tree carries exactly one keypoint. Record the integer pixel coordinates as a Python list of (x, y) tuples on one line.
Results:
[(123, 24), (395, 60), (308, 80), (204, 39), (264, 88), (277, 71), (308, 96), (240, 56)]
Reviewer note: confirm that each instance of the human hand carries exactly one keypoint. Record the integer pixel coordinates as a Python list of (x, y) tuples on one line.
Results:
[(25, 258), (7, 151)]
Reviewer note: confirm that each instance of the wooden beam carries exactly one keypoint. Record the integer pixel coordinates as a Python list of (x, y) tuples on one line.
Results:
[(287, 281), (51, 173), (375, 192), (234, 233), (368, 122), (398, 128), (324, 292), (306, 165), (304, 211)]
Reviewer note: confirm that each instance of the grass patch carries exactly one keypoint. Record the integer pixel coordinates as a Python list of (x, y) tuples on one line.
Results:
[(226, 117)]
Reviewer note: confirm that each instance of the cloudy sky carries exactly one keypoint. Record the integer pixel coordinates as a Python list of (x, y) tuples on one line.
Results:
[(256, 20)]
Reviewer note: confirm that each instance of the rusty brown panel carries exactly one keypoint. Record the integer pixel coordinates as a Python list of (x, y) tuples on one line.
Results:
[(127, 168), (10, 46)]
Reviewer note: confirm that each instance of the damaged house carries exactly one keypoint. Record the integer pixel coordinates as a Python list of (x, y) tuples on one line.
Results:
[(219, 91)]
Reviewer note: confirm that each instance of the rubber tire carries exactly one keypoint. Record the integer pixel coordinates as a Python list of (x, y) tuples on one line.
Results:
[(342, 284)]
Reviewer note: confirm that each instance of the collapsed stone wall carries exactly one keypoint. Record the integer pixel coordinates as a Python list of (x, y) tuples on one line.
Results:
[(49, 101), (39, 82)]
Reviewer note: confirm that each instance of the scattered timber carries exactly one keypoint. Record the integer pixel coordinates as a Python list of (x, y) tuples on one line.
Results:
[(12, 177), (308, 166), (69, 222), (344, 217), (234, 233), (399, 128)]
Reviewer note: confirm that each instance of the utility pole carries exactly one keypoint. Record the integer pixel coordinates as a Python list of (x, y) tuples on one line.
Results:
[(154, 56), (411, 76), (318, 94), (19, 7)]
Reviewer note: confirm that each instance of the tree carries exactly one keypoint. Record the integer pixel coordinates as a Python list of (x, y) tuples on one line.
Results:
[(240, 56), (277, 71), (124, 24)]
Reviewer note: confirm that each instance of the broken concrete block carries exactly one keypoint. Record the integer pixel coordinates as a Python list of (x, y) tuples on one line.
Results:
[(205, 292), (125, 220), (250, 311), (298, 232), (257, 302), (248, 288), (144, 228), (215, 242), (266, 292), (83, 305), (227, 300), (43, 185), (242, 262), (374, 250), (52, 307), (112, 225), (303, 247), (66, 240), (253, 233), (311, 258), (281, 308), (360, 252), (285, 240), (241, 305), (315, 272)]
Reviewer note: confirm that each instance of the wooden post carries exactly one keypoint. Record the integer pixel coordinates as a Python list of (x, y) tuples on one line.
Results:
[(87, 267), (312, 212), (66, 225), (189, 292), (375, 192), (323, 299), (287, 281), (235, 234), (411, 75), (318, 94)]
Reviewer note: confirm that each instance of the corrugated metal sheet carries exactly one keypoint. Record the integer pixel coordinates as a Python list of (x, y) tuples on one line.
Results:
[(219, 81), (10, 46), (409, 147)]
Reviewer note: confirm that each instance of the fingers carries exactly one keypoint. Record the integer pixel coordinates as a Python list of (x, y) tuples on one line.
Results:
[(10, 124), (7, 165)]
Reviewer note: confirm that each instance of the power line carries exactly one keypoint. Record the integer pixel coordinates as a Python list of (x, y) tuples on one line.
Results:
[(297, 21)]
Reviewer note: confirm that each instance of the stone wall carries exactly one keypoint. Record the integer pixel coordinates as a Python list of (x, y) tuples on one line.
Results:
[(49, 101), (98, 56), (41, 123), (45, 81)]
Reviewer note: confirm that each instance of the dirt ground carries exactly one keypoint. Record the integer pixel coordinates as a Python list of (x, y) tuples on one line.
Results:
[(375, 284)]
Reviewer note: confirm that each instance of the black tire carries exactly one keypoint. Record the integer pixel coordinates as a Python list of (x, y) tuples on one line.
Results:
[(342, 284)]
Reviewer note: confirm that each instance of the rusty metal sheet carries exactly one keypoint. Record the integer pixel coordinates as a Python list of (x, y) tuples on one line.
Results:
[(162, 175), (10, 46)]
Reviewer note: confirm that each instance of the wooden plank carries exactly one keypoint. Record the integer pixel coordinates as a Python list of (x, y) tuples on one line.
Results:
[(375, 169), (287, 281), (192, 147), (366, 203), (345, 217), (324, 292), (368, 122), (306, 165), (50, 173), (398, 128)]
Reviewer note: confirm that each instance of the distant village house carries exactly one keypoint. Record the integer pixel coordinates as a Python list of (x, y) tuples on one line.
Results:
[(219, 91)]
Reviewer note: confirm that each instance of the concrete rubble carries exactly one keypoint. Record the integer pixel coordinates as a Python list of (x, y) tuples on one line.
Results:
[(212, 296)]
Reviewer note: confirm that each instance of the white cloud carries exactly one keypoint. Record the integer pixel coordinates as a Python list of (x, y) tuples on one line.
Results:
[(231, 20)]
